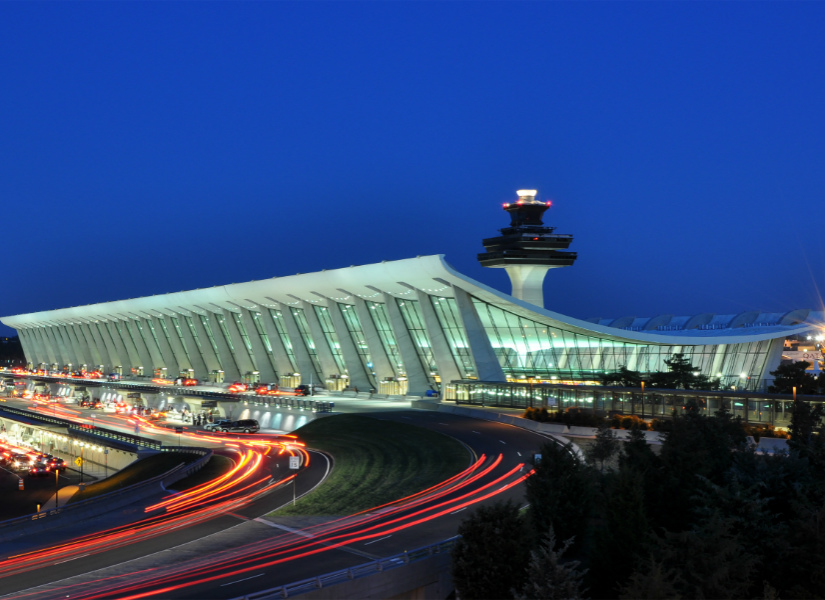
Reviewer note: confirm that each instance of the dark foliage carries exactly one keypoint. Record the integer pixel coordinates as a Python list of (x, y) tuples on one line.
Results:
[(489, 560)]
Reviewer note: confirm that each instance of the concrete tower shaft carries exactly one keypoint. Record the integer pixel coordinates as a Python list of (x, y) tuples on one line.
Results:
[(527, 248)]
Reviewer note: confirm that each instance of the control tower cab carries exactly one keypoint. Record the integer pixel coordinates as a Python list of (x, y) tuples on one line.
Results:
[(527, 248)]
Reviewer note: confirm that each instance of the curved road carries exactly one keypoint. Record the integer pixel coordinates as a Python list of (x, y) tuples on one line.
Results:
[(237, 553)]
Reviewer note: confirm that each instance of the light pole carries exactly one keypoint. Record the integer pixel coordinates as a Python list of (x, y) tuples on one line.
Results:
[(530, 379), (643, 399), (56, 486)]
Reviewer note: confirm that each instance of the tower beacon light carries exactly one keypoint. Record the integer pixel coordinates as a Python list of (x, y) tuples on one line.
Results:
[(527, 248)]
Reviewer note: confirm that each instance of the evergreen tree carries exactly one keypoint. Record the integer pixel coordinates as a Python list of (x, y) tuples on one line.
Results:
[(652, 581), (623, 377), (605, 447), (622, 534), (559, 492), (793, 375), (489, 559), (548, 578)]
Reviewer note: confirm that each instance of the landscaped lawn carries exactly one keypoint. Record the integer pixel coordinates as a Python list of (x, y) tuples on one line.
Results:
[(375, 462)]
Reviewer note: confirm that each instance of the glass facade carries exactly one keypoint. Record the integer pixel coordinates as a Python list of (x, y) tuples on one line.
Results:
[(527, 348), (211, 336), (259, 326), (303, 329), (322, 312), (413, 319), (179, 333), (245, 337), (357, 334), (450, 321), (280, 327), (378, 312)]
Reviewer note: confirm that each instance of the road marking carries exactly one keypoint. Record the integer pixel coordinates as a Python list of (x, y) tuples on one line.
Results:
[(478, 432), (284, 528), (243, 518), (245, 579), (519, 453), (406, 417), (71, 559), (444, 424), (503, 442), (458, 511), (378, 540)]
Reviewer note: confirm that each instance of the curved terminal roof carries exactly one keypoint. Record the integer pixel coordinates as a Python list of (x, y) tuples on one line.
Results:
[(432, 275)]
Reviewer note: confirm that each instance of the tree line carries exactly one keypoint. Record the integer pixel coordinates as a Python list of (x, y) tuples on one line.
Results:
[(706, 517)]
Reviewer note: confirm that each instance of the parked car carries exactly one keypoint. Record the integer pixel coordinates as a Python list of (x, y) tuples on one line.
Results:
[(303, 390), (242, 426), (217, 425)]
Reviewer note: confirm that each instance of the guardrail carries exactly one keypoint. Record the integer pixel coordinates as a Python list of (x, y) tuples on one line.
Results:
[(364, 570), (50, 519), (86, 430)]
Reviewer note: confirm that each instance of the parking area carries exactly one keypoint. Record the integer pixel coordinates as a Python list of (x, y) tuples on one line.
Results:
[(17, 503)]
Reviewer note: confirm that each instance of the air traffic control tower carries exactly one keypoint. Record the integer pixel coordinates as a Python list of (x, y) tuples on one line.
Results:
[(527, 248)]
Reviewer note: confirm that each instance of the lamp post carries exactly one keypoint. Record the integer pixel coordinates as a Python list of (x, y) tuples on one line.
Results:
[(56, 486), (643, 399), (530, 381)]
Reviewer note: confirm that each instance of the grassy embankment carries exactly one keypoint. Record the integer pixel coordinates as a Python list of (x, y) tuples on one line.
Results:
[(375, 461), (136, 472)]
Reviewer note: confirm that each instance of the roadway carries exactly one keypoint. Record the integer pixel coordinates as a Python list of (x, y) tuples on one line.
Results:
[(236, 552)]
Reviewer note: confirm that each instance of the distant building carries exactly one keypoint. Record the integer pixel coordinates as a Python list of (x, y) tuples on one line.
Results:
[(404, 326)]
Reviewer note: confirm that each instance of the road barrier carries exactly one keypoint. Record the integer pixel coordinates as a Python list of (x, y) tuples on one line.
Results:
[(364, 570), (79, 511)]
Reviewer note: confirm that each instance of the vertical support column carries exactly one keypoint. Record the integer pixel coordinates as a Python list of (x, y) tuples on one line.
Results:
[(418, 382), (170, 361), (62, 353), (182, 357), (130, 329), (381, 363), (282, 361), (299, 348), (487, 366), (244, 361), (447, 368), (45, 353), (123, 356), (23, 334), (96, 349), (83, 344), (29, 348), (101, 335), (71, 336), (322, 348), (198, 361), (213, 360), (265, 367), (358, 376), (230, 367)]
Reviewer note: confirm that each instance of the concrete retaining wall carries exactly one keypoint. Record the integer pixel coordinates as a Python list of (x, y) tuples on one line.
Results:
[(653, 437)]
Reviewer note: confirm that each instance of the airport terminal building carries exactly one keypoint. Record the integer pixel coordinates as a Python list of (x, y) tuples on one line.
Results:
[(402, 327)]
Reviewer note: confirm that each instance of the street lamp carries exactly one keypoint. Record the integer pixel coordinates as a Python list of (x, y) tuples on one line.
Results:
[(530, 381), (643, 399)]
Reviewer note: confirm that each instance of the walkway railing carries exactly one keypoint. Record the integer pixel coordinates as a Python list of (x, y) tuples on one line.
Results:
[(377, 566)]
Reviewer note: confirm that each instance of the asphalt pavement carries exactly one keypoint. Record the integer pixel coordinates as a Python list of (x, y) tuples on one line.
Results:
[(191, 557)]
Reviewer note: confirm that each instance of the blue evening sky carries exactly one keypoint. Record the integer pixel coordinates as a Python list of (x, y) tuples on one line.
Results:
[(153, 147)]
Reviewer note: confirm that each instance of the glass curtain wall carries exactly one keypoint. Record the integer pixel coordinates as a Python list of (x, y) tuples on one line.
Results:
[(280, 327), (211, 335), (447, 311), (303, 328), (414, 320), (322, 312), (354, 327), (381, 320), (245, 337), (526, 348), (179, 333), (193, 330), (259, 326)]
